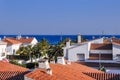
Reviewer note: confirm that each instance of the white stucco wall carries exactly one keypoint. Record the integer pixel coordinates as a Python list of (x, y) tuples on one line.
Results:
[(12, 47), (2, 50), (83, 49), (34, 41), (100, 40), (116, 50), (64, 52)]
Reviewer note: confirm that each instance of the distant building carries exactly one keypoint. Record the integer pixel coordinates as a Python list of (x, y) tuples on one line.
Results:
[(106, 49), (13, 44)]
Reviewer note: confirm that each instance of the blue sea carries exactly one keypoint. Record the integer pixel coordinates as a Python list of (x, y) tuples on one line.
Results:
[(53, 39)]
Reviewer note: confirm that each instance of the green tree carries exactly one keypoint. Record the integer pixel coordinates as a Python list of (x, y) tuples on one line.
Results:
[(43, 47), (26, 50), (55, 51)]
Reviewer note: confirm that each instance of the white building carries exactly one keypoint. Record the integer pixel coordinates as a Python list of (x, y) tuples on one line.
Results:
[(3, 46), (15, 43), (97, 49)]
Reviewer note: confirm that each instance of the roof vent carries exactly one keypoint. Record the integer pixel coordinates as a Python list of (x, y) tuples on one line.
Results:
[(4, 37), (61, 60), (49, 71), (27, 37)]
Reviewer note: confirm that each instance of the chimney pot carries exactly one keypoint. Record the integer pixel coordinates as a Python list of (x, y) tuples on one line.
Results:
[(79, 38)]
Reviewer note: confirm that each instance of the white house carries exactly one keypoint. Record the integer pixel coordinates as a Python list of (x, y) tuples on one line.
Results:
[(3, 46), (12, 45), (27, 40), (97, 49), (15, 43)]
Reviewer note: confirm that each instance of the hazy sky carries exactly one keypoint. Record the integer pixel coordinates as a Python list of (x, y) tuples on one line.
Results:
[(56, 16)]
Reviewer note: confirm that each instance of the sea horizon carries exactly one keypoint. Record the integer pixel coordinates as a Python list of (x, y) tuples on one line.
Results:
[(53, 39)]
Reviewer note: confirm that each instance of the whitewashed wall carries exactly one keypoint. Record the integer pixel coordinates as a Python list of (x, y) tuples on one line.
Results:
[(100, 40), (2, 50), (12, 47), (64, 52), (116, 50), (83, 49), (34, 41)]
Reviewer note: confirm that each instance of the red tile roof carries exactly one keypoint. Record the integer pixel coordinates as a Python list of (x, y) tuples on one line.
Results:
[(26, 40), (63, 72), (111, 40), (5, 66), (101, 46), (11, 72), (11, 40)]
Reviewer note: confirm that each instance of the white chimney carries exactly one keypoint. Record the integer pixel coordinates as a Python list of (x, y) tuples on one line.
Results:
[(61, 60), (68, 43), (43, 63), (4, 37), (79, 38), (27, 37), (49, 71)]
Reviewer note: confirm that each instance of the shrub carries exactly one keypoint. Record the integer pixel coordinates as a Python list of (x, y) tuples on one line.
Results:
[(16, 63)]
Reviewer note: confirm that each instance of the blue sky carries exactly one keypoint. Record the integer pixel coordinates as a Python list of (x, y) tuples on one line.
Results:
[(56, 16)]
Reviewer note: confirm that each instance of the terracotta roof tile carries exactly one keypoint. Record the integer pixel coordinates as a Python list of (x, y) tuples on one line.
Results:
[(11, 40), (11, 72), (26, 40), (111, 40), (101, 46), (63, 72), (5, 66)]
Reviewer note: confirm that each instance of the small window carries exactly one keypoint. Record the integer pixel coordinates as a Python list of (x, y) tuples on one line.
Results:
[(3, 54)]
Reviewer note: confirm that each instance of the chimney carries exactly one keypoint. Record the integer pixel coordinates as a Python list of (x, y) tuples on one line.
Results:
[(61, 60), (4, 37), (49, 71), (43, 63), (68, 42), (18, 37), (27, 37), (79, 38)]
